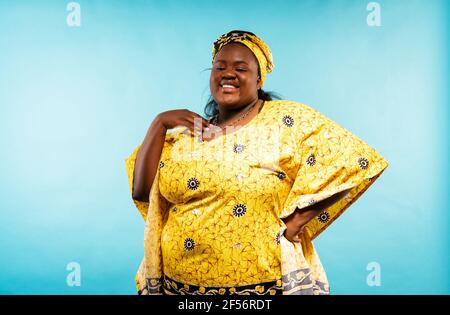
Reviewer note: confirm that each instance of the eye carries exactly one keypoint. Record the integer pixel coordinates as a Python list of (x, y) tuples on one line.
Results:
[(220, 68), (241, 69)]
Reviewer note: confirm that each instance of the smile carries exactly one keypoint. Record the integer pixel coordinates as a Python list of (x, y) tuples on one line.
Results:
[(227, 88)]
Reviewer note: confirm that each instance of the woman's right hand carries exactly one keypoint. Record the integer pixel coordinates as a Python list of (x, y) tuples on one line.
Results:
[(182, 117)]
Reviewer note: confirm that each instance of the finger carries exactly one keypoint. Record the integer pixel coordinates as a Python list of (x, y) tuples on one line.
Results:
[(206, 123), (203, 120), (200, 122), (197, 124), (292, 239)]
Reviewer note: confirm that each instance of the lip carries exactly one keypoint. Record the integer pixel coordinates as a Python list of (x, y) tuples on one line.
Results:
[(228, 88)]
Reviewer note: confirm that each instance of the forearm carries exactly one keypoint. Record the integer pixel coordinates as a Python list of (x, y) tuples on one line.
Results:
[(147, 160), (302, 216)]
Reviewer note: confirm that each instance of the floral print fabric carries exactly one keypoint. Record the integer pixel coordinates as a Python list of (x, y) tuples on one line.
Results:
[(213, 223)]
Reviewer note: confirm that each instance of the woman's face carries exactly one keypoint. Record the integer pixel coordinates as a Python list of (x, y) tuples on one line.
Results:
[(234, 80)]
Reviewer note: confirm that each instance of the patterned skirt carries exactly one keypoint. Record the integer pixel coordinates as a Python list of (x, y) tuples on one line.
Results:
[(168, 286)]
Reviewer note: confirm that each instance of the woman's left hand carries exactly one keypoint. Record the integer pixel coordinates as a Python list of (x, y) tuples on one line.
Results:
[(294, 226), (296, 221)]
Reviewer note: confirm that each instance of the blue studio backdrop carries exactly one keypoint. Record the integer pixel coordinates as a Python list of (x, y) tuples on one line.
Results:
[(80, 83)]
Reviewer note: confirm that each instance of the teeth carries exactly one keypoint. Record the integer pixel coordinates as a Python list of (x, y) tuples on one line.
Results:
[(228, 86)]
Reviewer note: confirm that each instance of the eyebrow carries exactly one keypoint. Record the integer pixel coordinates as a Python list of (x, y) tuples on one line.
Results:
[(235, 62)]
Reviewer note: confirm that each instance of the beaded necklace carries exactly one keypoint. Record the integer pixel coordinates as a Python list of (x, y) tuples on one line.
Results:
[(214, 120)]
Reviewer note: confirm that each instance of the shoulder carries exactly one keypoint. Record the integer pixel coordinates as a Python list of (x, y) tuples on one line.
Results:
[(296, 110), (288, 105), (174, 134)]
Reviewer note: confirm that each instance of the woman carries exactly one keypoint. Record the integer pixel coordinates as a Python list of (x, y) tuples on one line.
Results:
[(231, 204)]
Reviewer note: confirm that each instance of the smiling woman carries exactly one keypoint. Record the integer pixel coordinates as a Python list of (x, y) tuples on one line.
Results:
[(237, 213), (235, 78), (239, 70)]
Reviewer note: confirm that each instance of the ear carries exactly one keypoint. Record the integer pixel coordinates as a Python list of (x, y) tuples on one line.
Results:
[(258, 82)]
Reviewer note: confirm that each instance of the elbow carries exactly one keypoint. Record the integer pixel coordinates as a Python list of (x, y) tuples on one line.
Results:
[(140, 196), (135, 196)]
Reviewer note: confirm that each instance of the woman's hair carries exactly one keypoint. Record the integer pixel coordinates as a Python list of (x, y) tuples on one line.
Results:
[(212, 108)]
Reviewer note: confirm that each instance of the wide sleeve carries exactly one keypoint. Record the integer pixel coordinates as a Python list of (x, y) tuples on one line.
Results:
[(155, 214), (330, 159), (170, 138), (129, 165)]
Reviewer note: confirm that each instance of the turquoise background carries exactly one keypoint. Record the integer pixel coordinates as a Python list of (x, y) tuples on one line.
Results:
[(75, 101)]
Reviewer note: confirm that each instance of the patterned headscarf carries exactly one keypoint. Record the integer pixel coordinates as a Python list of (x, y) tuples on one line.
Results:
[(254, 43)]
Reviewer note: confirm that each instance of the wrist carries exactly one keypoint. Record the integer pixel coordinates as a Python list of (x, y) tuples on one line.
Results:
[(158, 123)]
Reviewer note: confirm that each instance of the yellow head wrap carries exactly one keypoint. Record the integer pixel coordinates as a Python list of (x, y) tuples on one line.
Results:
[(254, 43)]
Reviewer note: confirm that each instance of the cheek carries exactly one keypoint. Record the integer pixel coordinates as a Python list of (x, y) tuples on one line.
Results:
[(215, 78), (248, 86), (249, 79), (213, 83)]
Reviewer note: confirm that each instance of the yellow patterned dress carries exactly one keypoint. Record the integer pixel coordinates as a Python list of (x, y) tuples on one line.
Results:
[(213, 221)]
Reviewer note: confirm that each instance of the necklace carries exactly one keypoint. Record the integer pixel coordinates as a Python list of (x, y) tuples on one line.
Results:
[(215, 119)]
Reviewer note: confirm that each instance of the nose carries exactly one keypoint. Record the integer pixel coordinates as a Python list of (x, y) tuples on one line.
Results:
[(230, 75)]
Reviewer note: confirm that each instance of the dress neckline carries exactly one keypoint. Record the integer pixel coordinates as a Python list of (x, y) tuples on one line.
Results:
[(251, 122)]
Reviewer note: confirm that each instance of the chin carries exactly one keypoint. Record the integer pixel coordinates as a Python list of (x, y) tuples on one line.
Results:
[(228, 100)]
